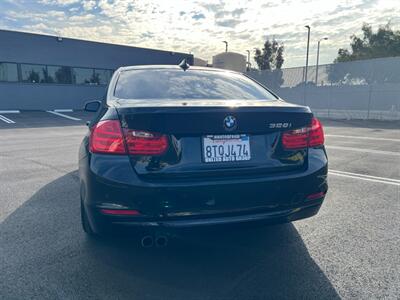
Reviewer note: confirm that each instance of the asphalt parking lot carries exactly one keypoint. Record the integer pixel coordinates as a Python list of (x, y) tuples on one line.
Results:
[(349, 250)]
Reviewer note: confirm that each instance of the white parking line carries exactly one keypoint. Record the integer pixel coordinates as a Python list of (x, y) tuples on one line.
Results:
[(9, 111), (7, 120), (62, 115), (363, 137), (63, 110), (367, 176), (364, 150), (390, 181)]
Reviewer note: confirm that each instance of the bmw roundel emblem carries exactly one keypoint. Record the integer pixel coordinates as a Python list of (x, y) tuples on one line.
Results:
[(230, 123)]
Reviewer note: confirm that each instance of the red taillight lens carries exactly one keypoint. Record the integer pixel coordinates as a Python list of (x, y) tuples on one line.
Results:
[(295, 139), (310, 136), (106, 137), (316, 137), (145, 143)]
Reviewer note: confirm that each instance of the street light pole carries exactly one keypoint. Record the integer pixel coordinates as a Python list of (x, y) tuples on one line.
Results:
[(308, 49), (316, 68), (306, 70), (226, 46), (248, 60)]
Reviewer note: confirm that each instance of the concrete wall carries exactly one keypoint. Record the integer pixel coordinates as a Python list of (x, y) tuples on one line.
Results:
[(30, 96), (40, 49), (365, 89), (375, 101)]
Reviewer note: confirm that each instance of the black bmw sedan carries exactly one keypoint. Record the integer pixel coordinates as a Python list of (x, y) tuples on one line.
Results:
[(177, 147)]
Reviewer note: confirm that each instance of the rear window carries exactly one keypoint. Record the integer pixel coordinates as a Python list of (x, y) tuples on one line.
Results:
[(192, 84)]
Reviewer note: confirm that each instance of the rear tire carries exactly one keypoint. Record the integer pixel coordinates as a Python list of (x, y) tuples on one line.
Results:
[(87, 228)]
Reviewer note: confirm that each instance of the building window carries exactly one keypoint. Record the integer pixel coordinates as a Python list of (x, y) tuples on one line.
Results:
[(82, 75), (33, 73), (59, 74), (102, 76), (8, 72)]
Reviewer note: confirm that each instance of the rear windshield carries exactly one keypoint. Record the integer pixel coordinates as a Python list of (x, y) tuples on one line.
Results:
[(192, 84)]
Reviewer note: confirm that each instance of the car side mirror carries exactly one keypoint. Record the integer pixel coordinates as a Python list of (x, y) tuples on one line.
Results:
[(92, 106)]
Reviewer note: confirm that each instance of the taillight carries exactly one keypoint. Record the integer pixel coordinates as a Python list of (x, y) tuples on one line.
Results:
[(316, 137), (145, 143), (295, 139), (310, 136), (106, 137)]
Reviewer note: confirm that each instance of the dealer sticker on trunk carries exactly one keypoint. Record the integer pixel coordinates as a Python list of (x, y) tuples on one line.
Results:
[(226, 148)]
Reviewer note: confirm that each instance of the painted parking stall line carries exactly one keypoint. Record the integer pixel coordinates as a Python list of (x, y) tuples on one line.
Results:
[(62, 115), (63, 110), (362, 137), (385, 180), (363, 150), (9, 111), (7, 120)]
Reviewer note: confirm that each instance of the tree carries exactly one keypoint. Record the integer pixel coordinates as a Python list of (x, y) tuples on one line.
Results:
[(385, 42), (271, 56), (348, 67)]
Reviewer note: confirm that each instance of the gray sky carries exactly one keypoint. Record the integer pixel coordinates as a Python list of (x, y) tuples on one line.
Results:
[(201, 26)]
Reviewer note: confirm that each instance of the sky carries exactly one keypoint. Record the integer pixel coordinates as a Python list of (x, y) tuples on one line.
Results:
[(200, 26)]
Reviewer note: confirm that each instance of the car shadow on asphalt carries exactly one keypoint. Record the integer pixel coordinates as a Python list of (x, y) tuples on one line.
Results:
[(45, 254)]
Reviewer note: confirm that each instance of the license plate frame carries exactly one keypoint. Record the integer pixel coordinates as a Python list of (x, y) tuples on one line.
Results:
[(235, 148)]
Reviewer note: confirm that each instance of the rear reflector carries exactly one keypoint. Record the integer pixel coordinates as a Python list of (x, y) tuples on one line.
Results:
[(145, 143), (106, 137), (316, 196), (310, 136), (120, 212)]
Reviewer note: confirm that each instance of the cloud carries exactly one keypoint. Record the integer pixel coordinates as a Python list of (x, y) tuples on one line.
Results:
[(59, 2), (198, 16), (200, 26), (228, 23), (89, 4)]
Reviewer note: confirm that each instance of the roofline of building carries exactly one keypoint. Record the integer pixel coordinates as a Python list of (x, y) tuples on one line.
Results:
[(89, 41)]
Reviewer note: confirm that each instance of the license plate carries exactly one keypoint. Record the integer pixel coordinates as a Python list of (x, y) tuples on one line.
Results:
[(226, 148)]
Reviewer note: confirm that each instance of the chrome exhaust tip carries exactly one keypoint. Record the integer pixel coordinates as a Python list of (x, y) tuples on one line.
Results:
[(161, 241), (147, 241)]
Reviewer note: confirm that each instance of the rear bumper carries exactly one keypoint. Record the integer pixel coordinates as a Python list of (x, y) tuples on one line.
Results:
[(270, 199), (274, 217)]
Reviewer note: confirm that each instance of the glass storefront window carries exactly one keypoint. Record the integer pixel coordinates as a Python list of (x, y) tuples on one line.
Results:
[(8, 72), (59, 74), (82, 75), (102, 76), (33, 73)]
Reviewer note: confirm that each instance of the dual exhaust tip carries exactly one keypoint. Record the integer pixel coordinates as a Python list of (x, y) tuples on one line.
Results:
[(150, 241)]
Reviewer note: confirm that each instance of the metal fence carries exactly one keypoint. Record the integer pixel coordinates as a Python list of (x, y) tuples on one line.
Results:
[(367, 89)]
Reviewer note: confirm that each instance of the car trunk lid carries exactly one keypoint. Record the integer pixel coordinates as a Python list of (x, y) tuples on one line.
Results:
[(188, 124)]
